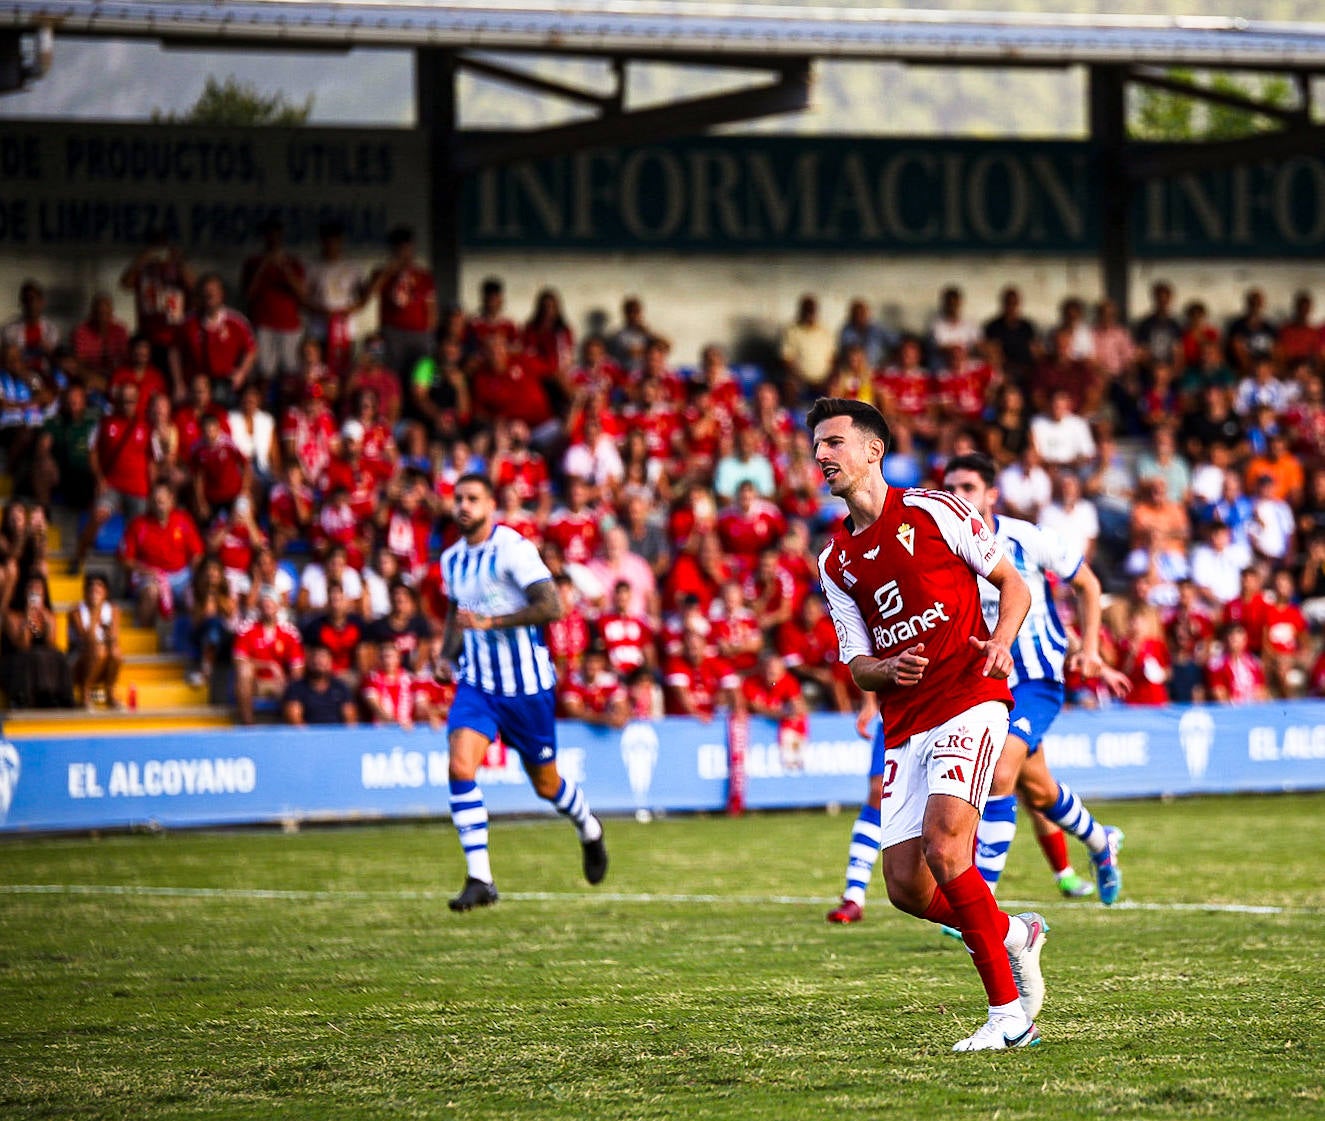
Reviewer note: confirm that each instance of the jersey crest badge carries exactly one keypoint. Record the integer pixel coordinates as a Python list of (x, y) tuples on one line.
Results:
[(870, 554), (906, 534)]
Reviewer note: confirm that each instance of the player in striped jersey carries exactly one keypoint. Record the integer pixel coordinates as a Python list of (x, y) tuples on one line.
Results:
[(1038, 658), (500, 594)]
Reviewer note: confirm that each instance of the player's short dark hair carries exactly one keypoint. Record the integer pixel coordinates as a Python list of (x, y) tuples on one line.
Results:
[(863, 416), (481, 480), (978, 462)]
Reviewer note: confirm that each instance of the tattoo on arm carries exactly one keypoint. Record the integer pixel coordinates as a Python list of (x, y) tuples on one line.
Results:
[(544, 606), (451, 638)]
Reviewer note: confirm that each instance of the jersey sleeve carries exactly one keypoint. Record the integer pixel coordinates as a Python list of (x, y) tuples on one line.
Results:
[(1051, 552), (523, 562), (853, 636), (962, 528)]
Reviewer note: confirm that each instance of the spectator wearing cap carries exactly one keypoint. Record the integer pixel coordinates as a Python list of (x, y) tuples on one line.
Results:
[(318, 697), (268, 654), (406, 295)]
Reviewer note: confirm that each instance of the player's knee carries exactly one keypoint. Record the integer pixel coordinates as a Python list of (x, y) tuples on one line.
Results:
[(547, 788)]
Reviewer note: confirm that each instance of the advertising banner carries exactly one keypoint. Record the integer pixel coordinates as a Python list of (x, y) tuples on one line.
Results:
[(282, 775)]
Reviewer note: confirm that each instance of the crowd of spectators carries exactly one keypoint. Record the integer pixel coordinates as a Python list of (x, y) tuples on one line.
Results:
[(283, 486)]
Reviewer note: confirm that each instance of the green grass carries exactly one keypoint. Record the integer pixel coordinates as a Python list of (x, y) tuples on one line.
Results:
[(320, 975)]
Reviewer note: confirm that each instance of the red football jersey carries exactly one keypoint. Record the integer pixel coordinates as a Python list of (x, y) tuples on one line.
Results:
[(215, 348), (277, 645), (123, 449), (748, 535), (909, 578), (576, 533), (1243, 677), (169, 547), (701, 683), (394, 695), (779, 697), (626, 637), (1284, 627)]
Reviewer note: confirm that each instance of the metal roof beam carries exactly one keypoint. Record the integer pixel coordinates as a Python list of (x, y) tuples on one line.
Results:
[(524, 79), (790, 94), (1227, 98)]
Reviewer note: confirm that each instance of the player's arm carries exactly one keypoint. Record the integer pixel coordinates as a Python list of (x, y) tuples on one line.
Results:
[(1014, 601), (1086, 586), (451, 636), (856, 648), (544, 607), (869, 709)]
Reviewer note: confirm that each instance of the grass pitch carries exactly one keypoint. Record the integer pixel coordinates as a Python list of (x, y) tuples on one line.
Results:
[(320, 976)]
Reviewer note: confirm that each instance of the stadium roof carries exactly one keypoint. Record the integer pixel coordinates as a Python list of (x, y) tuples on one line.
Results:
[(690, 31)]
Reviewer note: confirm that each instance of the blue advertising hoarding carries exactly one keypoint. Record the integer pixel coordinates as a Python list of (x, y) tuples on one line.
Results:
[(275, 775)]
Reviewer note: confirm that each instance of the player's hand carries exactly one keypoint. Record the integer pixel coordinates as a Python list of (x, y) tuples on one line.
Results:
[(1089, 664), (909, 666), (471, 622), (998, 658), (863, 722)]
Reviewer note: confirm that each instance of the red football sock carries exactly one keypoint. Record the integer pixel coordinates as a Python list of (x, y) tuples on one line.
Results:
[(940, 910), (1055, 850), (983, 928)]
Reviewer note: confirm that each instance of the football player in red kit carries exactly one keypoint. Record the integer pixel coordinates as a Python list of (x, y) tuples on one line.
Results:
[(900, 579)]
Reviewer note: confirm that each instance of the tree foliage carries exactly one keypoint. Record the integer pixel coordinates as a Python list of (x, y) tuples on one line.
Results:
[(1161, 115), (233, 103)]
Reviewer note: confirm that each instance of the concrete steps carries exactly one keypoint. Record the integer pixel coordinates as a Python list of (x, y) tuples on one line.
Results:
[(24, 724)]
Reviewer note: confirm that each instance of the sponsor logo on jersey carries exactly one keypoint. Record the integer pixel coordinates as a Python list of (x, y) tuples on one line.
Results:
[(889, 599), (885, 638), (870, 554), (906, 534)]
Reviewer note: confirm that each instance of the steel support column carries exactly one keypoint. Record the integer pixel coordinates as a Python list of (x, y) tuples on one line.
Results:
[(1108, 137), (435, 110)]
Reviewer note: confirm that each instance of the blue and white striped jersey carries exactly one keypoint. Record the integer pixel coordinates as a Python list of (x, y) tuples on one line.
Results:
[(1041, 646), (490, 579)]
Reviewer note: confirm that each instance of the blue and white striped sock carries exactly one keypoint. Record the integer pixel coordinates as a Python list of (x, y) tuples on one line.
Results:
[(993, 837), (866, 837), (469, 815), (571, 802), (1070, 814)]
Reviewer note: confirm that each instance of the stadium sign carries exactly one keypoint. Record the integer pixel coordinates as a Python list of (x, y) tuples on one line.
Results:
[(283, 775), (860, 194), (74, 189)]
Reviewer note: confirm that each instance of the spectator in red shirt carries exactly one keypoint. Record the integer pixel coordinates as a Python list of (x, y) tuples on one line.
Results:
[(749, 526), (511, 512), (593, 693), (596, 373), (1298, 338), (160, 280), (160, 550), (773, 693), (698, 572), (547, 340), (574, 526), (808, 645), (216, 340), (347, 471), (136, 369), (506, 385), (516, 464), (1236, 675), (121, 461), (904, 391), (370, 375), (388, 690), (771, 591), (290, 508), (736, 629), (406, 303), (188, 416), (101, 342), (405, 521), (434, 688), (1250, 608), (1286, 652), (380, 454), (626, 635), (274, 285), (490, 320), (567, 635), (32, 332), (695, 683), (235, 538), (1146, 659), (340, 630), (220, 471), (268, 654)]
